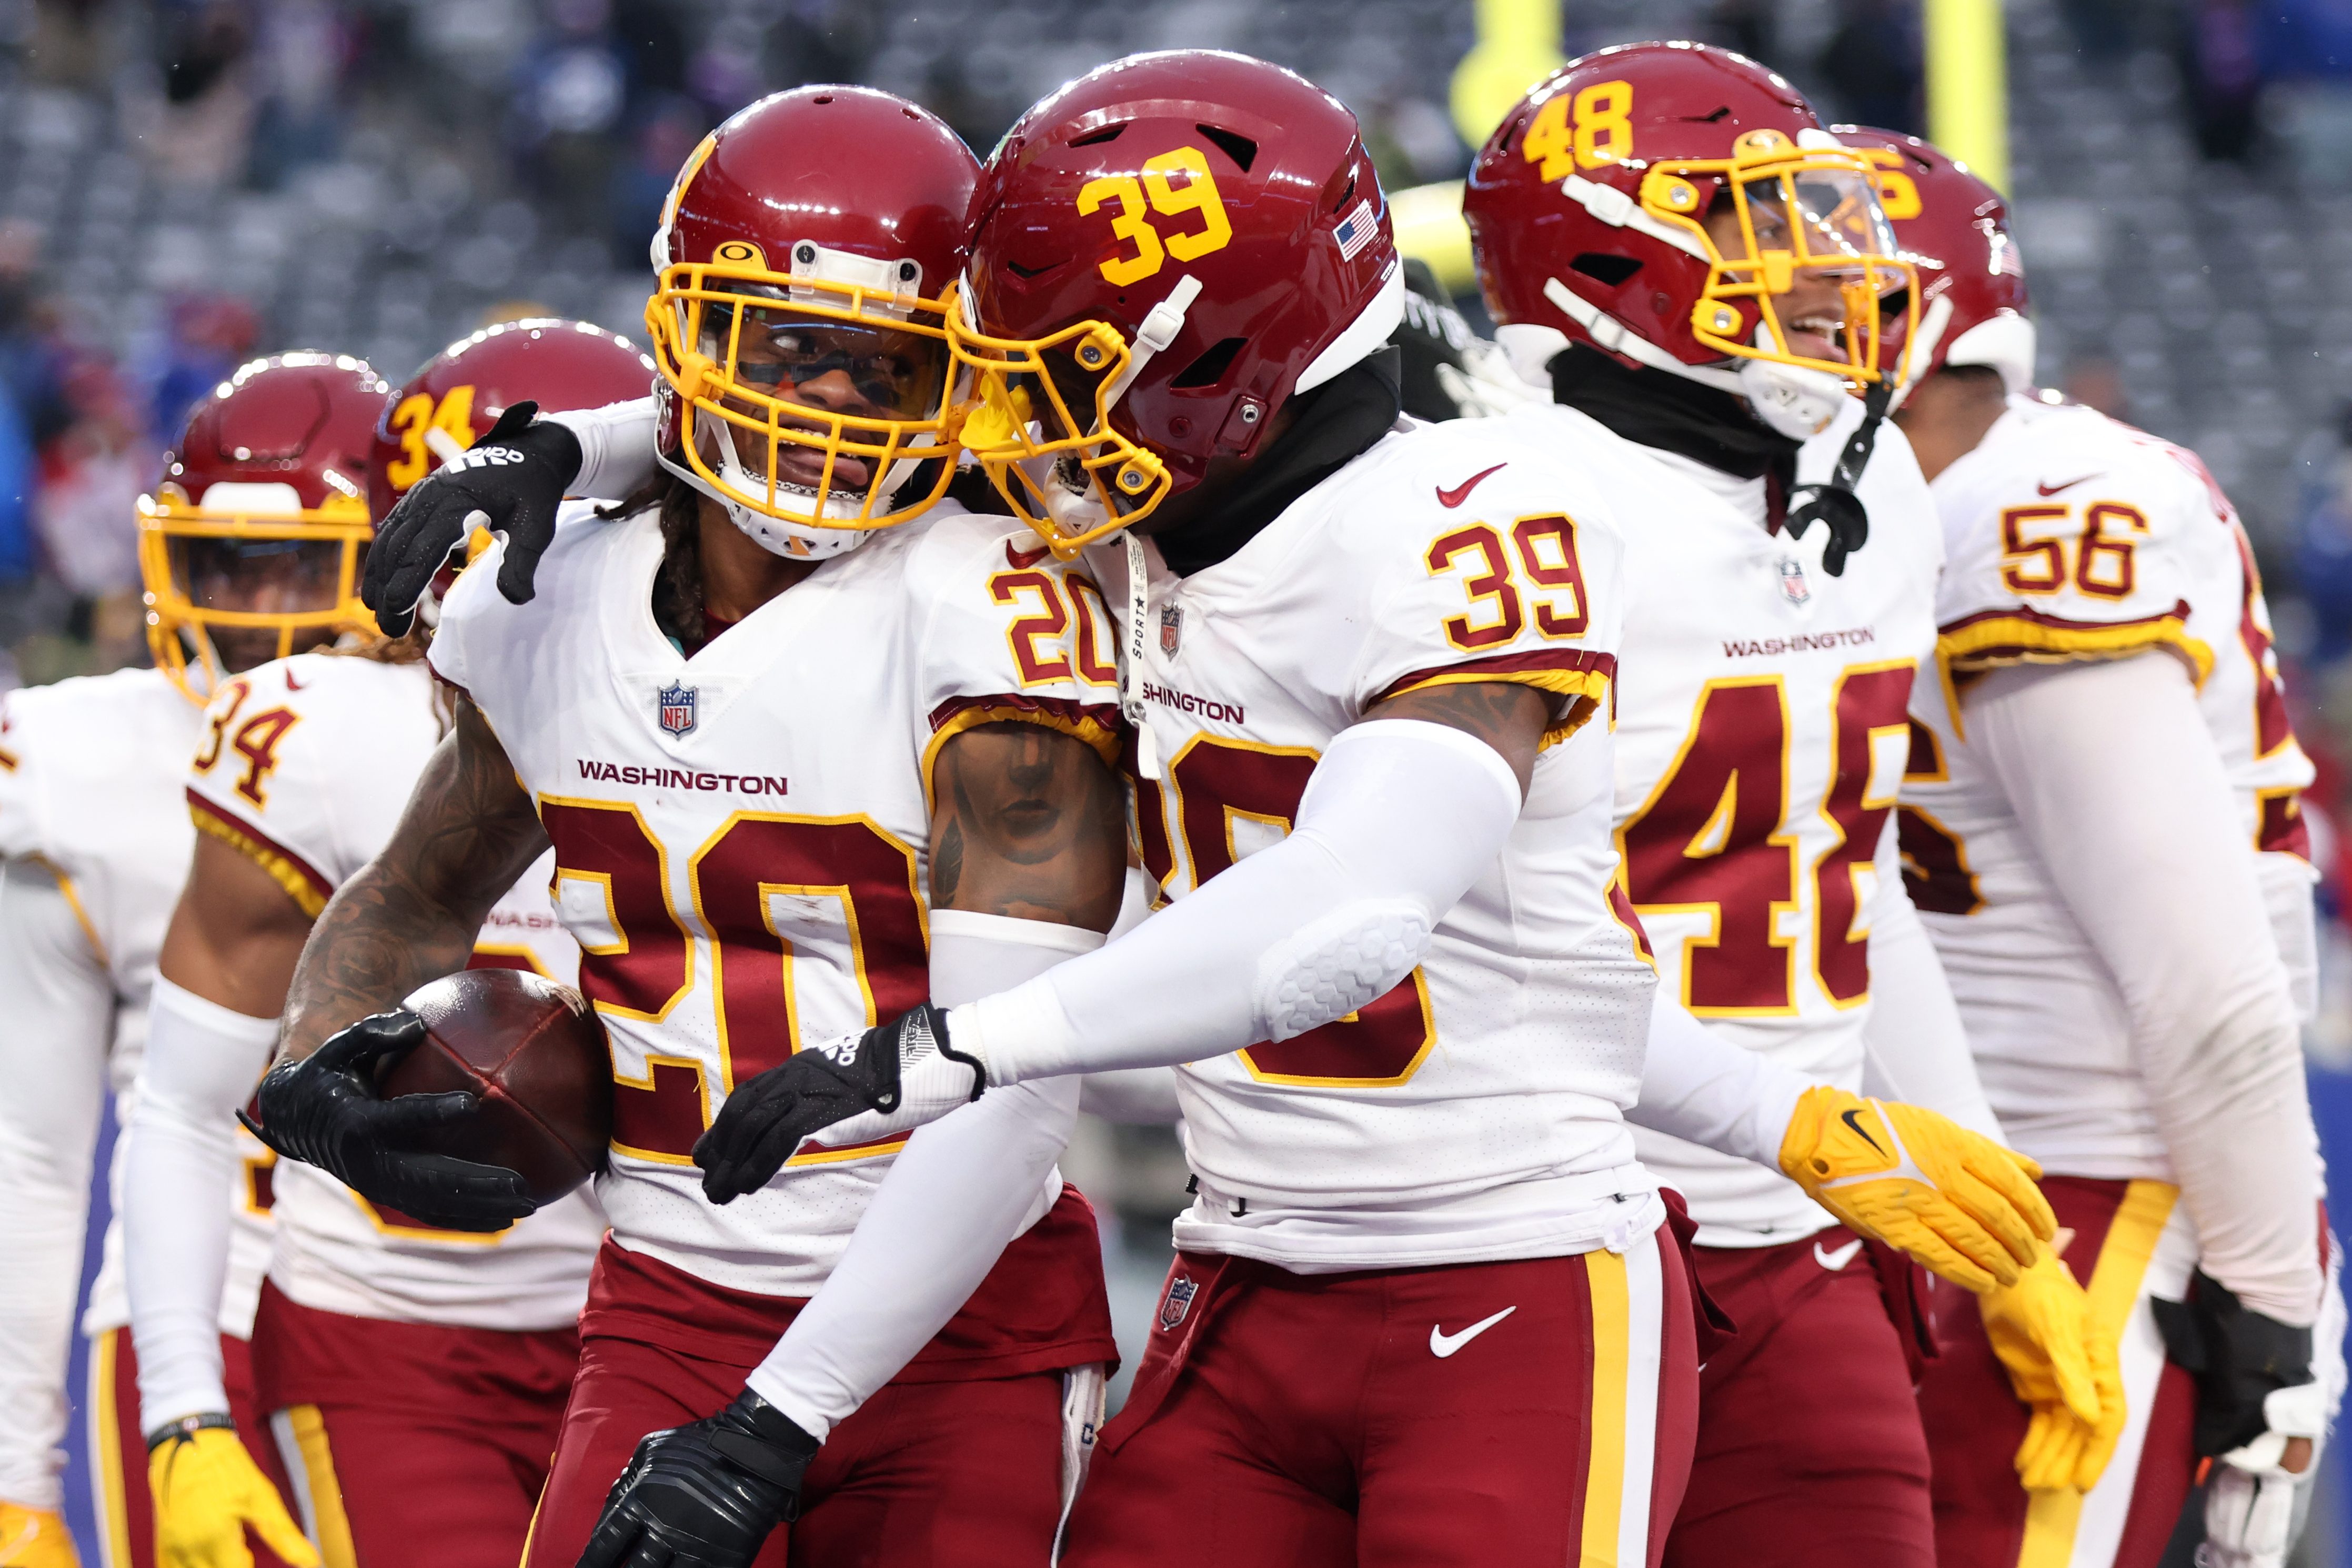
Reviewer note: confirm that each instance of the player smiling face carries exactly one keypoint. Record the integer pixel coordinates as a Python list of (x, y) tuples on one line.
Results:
[(1834, 216), (835, 367)]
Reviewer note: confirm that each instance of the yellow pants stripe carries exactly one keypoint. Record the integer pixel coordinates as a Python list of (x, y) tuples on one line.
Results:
[(331, 1528), (106, 1441), (2052, 1517), (1604, 1472), (533, 1529)]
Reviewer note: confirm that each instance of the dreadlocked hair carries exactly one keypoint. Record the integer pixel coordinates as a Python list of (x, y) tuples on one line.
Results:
[(377, 649), (677, 586)]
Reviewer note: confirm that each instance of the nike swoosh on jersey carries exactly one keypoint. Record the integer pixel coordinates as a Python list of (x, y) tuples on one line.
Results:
[(1450, 499), (1022, 560), (292, 684), (1443, 1344), (1835, 1261), (2070, 484)]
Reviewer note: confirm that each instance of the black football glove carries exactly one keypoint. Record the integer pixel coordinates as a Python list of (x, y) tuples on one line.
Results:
[(510, 482), (2240, 1358), (705, 1495), (904, 1069), (325, 1111)]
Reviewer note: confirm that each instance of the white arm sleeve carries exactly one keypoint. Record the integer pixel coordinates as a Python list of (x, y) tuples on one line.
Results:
[(964, 1187), (2286, 892), (203, 1061), (616, 445), (1295, 935), (57, 1012), (2116, 781), (1702, 1088), (1913, 1048), (1137, 1096)]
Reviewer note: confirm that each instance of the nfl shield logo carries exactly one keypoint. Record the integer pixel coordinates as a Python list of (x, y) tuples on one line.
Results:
[(1793, 581), (1171, 628), (677, 702), (1180, 1291)]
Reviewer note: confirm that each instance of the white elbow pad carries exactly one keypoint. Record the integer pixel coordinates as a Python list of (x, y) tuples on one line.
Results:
[(1351, 957)]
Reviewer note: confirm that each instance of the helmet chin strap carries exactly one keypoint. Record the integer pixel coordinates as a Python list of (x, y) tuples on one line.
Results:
[(778, 536), (1835, 502), (1618, 338), (1795, 402), (1799, 412)]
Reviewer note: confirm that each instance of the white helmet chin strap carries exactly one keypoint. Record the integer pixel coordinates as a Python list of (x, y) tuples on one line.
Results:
[(1794, 401), (778, 536)]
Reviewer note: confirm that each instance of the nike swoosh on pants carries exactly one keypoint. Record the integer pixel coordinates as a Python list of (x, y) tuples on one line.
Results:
[(1443, 1344), (1833, 1261)]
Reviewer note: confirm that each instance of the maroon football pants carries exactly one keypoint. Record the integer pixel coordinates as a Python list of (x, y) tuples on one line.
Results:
[(956, 1463), (924, 1475), (410, 1443), (1506, 1415), (2130, 1241), (117, 1449), (1810, 1447)]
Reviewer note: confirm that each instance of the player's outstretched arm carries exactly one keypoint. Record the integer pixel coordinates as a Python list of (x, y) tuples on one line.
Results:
[(1954, 1200), (409, 916), (1960, 1203), (1405, 810)]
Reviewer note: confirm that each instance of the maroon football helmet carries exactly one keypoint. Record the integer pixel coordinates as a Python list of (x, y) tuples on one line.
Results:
[(1590, 209), (798, 315), (1167, 249), (250, 548), (1973, 308), (459, 393)]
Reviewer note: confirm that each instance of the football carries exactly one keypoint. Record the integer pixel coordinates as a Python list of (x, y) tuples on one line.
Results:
[(535, 1054)]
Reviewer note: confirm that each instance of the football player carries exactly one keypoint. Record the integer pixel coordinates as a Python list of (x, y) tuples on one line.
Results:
[(397, 1357), (249, 550), (800, 764), (1629, 215), (1363, 660), (2100, 826)]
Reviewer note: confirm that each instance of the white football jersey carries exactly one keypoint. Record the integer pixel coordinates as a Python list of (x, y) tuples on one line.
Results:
[(1761, 736), (304, 764), (2071, 536), (91, 774), (1475, 1111), (743, 839)]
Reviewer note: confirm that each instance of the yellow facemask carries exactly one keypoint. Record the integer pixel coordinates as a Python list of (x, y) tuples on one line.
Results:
[(226, 568)]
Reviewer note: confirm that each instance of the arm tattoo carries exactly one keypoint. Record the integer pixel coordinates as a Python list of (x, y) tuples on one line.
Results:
[(1507, 715), (411, 914), (947, 864), (1028, 823)]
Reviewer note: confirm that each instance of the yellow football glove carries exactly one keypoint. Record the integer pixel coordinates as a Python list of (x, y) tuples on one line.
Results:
[(32, 1537), (1960, 1203), (209, 1491), (2062, 1361)]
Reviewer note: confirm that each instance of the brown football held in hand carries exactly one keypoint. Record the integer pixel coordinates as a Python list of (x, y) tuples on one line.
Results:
[(535, 1055)]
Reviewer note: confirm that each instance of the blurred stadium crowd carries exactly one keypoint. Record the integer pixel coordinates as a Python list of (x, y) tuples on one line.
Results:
[(185, 182)]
